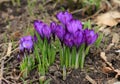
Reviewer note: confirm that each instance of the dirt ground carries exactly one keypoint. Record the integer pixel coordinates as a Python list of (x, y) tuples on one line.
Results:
[(102, 64)]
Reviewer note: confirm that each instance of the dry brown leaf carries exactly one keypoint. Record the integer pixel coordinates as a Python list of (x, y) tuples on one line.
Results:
[(104, 58), (116, 2), (115, 38), (15, 35), (102, 55), (3, 1), (118, 73), (116, 82), (110, 18), (115, 14), (109, 46), (102, 28), (106, 31), (112, 81), (106, 69)]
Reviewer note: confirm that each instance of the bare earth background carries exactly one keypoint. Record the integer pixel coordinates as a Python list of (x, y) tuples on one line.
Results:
[(102, 65)]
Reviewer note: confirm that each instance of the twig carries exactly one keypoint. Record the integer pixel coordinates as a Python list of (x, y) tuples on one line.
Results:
[(77, 11), (9, 49), (8, 43), (90, 79), (4, 57), (1, 71), (92, 16)]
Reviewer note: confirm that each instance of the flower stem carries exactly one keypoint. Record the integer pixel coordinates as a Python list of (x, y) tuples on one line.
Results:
[(67, 56), (82, 60), (77, 61), (64, 73), (61, 56), (73, 56), (70, 58)]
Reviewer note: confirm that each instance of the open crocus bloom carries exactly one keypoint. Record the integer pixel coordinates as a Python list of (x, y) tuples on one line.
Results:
[(26, 43)]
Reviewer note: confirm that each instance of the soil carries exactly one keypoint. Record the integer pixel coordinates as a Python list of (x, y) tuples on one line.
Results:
[(16, 21)]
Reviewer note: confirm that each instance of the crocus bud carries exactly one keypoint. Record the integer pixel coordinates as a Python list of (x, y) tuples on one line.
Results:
[(43, 29), (46, 31), (64, 17), (38, 25), (60, 32), (90, 36), (78, 38), (68, 40), (53, 26)]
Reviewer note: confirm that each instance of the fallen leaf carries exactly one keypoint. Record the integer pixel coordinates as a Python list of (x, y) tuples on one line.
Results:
[(115, 2), (15, 35), (116, 83), (118, 73), (109, 46), (106, 69), (102, 28), (106, 31), (102, 55), (115, 14), (104, 58), (112, 81), (3, 1), (110, 18), (115, 38)]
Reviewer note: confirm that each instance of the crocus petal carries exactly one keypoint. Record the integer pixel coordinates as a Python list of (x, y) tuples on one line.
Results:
[(53, 26), (78, 38), (26, 42), (68, 40), (60, 32), (46, 31), (28, 45), (74, 25)]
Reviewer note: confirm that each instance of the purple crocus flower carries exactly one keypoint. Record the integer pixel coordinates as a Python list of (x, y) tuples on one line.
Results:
[(64, 17), (38, 25), (60, 32), (74, 25), (68, 40), (35, 38), (53, 27), (43, 29), (78, 38), (46, 31), (26, 43), (90, 36)]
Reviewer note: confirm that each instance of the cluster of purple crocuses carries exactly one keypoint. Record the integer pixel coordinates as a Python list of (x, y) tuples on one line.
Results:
[(69, 31)]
